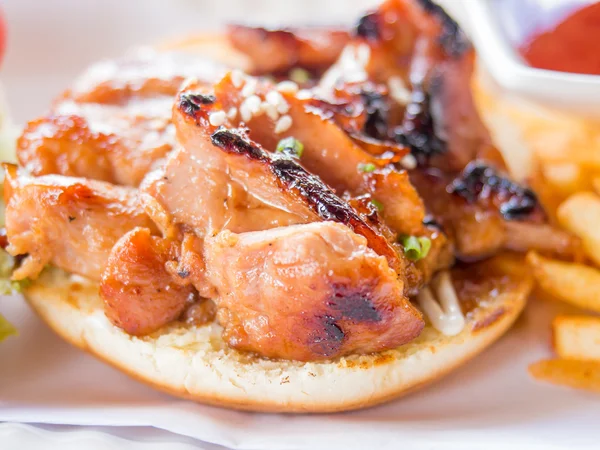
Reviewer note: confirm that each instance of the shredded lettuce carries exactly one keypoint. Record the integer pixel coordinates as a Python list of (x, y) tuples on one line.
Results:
[(8, 136), (7, 263), (6, 328), (9, 287)]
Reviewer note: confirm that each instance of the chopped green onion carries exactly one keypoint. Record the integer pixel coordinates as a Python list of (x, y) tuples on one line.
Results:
[(425, 246), (367, 168), (299, 75), (290, 146), (6, 328), (377, 204), (415, 248), (412, 247)]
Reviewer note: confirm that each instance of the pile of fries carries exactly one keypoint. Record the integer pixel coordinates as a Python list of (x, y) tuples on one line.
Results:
[(561, 161)]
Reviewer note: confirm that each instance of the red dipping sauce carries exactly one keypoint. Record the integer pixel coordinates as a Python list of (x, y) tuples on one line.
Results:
[(572, 46)]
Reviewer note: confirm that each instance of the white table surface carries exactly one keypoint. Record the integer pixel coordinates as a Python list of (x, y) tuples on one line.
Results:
[(49, 43)]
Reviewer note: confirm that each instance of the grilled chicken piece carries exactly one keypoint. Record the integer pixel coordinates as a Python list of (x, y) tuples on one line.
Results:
[(417, 51), (485, 188), (415, 43), (275, 179), (268, 178), (139, 294), (65, 145), (99, 142), (442, 125), (69, 222), (366, 111), (281, 50), (189, 268), (524, 236), (239, 198), (328, 151), (115, 124), (346, 298), (332, 155), (415, 273), (483, 213), (477, 232)]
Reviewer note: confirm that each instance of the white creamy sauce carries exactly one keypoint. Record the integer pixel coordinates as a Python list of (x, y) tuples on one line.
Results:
[(444, 313)]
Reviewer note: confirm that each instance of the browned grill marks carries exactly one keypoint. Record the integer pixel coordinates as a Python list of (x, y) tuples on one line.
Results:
[(479, 181), (353, 305), (321, 199), (328, 339), (192, 103)]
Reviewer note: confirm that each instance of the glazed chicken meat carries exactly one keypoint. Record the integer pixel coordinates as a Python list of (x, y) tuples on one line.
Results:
[(304, 215)]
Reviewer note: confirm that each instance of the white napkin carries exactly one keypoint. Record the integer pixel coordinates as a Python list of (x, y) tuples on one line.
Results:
[(19, 436), (490, 403)]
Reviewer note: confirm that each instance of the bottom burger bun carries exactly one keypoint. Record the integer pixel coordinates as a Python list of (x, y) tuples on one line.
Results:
[(195, 363)]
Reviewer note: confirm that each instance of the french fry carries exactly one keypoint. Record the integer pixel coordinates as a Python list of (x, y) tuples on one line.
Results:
[(506, 134), (568, 372), (596, 184), (560, 138), (580, 214), (554, 147), (566, 178), (572, 141), (549, 198), (573, 283), (553, 135), (577, 337)]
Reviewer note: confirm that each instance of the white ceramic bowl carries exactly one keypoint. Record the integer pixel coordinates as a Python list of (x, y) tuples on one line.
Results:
[(497, 26)]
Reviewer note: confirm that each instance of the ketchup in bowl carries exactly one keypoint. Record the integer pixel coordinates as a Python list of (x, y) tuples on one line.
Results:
[(571, 46)]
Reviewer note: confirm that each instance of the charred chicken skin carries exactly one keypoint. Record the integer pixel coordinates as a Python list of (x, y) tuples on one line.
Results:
[(303, 218)]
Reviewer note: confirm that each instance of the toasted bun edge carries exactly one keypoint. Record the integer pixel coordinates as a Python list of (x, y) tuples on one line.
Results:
[(195, 363)]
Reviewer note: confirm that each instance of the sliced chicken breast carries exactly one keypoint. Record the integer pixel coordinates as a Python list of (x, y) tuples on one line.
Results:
[(139, 294), (273, 50), (72, 223), (114, 125), (307, 292)]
